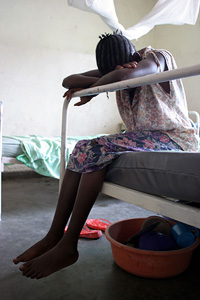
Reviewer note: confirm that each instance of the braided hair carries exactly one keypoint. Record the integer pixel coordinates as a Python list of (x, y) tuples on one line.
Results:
[(112, 50)]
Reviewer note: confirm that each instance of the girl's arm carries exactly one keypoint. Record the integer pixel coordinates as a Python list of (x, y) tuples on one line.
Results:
[(93, 78), (144, 67), (82, 80)]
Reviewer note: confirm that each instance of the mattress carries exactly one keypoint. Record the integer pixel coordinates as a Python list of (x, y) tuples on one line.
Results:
[(171, 174), (11, 147)]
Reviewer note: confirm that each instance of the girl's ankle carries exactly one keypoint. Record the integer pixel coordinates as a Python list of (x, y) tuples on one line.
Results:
[(54, 235)]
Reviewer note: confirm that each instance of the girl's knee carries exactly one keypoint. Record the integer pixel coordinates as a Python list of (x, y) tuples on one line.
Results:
[(93, 142)]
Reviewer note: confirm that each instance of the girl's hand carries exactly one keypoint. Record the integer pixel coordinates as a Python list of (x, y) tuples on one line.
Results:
[(84, 100), (130, 65), (69, 93)]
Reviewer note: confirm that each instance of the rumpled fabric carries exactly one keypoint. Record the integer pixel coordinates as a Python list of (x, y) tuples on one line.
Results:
[(176, 12), (94, 155), (42, 154), (152, 108)]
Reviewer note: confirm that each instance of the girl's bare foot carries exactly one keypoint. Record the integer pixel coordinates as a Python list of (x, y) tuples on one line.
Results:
[(50, 262), (47, 243)]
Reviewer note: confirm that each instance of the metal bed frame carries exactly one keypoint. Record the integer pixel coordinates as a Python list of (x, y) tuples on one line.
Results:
[(160, 205)]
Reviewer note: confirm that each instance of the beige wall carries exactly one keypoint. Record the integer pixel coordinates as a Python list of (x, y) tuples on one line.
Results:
[(184, 43), (41, 42)]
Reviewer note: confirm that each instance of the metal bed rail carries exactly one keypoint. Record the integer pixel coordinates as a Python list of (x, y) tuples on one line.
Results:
[(159, 205)]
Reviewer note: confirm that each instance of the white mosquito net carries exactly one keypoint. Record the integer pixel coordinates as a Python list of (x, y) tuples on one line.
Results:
[(177, 12)]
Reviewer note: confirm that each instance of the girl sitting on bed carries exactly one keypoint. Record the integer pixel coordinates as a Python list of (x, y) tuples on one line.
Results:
[(156, 118)]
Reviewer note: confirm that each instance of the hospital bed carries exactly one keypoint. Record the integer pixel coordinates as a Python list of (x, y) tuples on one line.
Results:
[(167, 183)]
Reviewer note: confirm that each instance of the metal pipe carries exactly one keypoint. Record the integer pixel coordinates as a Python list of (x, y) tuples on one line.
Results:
[(63, 140), (140, 81)]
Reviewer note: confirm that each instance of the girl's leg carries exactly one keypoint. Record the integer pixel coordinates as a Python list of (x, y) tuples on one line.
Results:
[(63, 211), (65, 252)]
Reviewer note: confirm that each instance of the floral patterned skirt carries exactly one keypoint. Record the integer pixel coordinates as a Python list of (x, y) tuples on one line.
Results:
[(93, 155)]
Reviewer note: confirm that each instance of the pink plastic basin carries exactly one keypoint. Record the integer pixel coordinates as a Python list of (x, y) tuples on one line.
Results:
[(144, 263)]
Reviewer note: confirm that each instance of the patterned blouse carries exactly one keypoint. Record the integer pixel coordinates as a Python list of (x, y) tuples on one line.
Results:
[(153, 109)]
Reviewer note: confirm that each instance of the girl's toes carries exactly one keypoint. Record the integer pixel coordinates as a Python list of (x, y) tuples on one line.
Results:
[(34, 275), (40, 275), (30, 273)]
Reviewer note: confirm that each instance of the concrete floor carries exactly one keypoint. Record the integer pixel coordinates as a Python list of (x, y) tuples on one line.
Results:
[(28, 207)]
